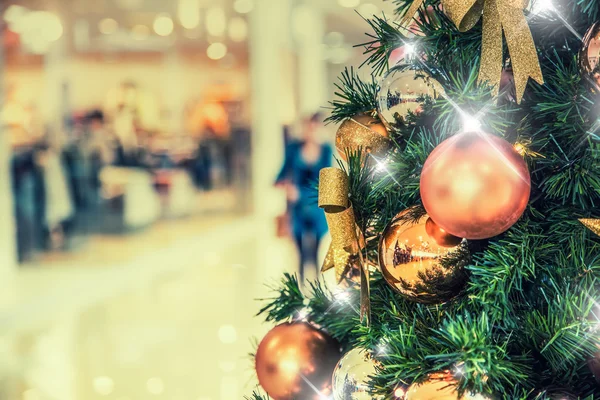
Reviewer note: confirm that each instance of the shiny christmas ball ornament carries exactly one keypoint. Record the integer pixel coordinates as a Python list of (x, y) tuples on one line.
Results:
[(589, 62), (294, 361), (422, 261), (352, 374), (440, 386), (401, 92), (475, 185), (362, 132)]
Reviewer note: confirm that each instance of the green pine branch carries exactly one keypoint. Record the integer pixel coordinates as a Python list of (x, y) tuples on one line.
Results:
[(353, 97)]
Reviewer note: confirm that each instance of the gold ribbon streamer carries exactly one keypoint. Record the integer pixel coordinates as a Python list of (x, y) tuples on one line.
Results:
[(333, 199), (498, 16)]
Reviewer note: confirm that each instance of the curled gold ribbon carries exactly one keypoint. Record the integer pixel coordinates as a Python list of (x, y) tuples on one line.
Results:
[(498, 16), (333, 199)]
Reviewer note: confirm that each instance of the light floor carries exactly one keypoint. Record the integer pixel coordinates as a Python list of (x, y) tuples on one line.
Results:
[(168, 314)]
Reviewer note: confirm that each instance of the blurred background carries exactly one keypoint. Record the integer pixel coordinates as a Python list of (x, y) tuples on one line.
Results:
[(140, 143)]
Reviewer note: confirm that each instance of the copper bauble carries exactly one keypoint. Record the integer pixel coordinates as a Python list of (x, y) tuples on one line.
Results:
[(440, 386), (421, 261), (362, 132), (402, 91), (589, 63), (294, 361), (352, 374), (475, 185)]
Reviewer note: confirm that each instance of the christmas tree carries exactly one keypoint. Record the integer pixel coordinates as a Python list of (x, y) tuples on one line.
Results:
[(464, 214)]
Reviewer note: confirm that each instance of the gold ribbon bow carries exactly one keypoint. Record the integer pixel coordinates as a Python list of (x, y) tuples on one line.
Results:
[(345, 247), (498, 16)]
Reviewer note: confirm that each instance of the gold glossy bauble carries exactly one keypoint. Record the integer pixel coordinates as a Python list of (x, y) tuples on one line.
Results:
[(589, 62), (421, 261), (475, 185), (362, 132), (352, 374), (402, 91), (441, 386), (294, 361)]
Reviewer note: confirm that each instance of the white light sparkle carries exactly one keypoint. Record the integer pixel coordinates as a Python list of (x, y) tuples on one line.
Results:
[(302, 314), (470, 124)]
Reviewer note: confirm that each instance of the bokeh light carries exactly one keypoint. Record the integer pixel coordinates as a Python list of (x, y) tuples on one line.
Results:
[(163, 25)]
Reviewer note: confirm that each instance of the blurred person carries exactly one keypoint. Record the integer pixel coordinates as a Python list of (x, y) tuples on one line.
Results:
[(97, 151), (125, 131), (59, 208), (299, 174)]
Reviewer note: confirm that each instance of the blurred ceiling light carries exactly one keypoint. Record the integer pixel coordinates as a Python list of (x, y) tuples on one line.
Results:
[(334, 39), (155, 386), (349, 3), (238, 29), (163, 25), (216, 51), (103, 385), (140, 32), (216, 22), (108, 26), (14, 13), (188, 13), (368, 10), (243, 6)]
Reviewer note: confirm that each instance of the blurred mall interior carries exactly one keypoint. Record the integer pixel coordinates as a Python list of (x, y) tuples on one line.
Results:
[(140, 141)]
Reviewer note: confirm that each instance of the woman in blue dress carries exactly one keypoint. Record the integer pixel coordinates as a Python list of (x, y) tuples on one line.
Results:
[(299, 174)]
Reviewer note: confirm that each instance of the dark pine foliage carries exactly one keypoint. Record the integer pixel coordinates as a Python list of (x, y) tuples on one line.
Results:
[(527, 323)]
